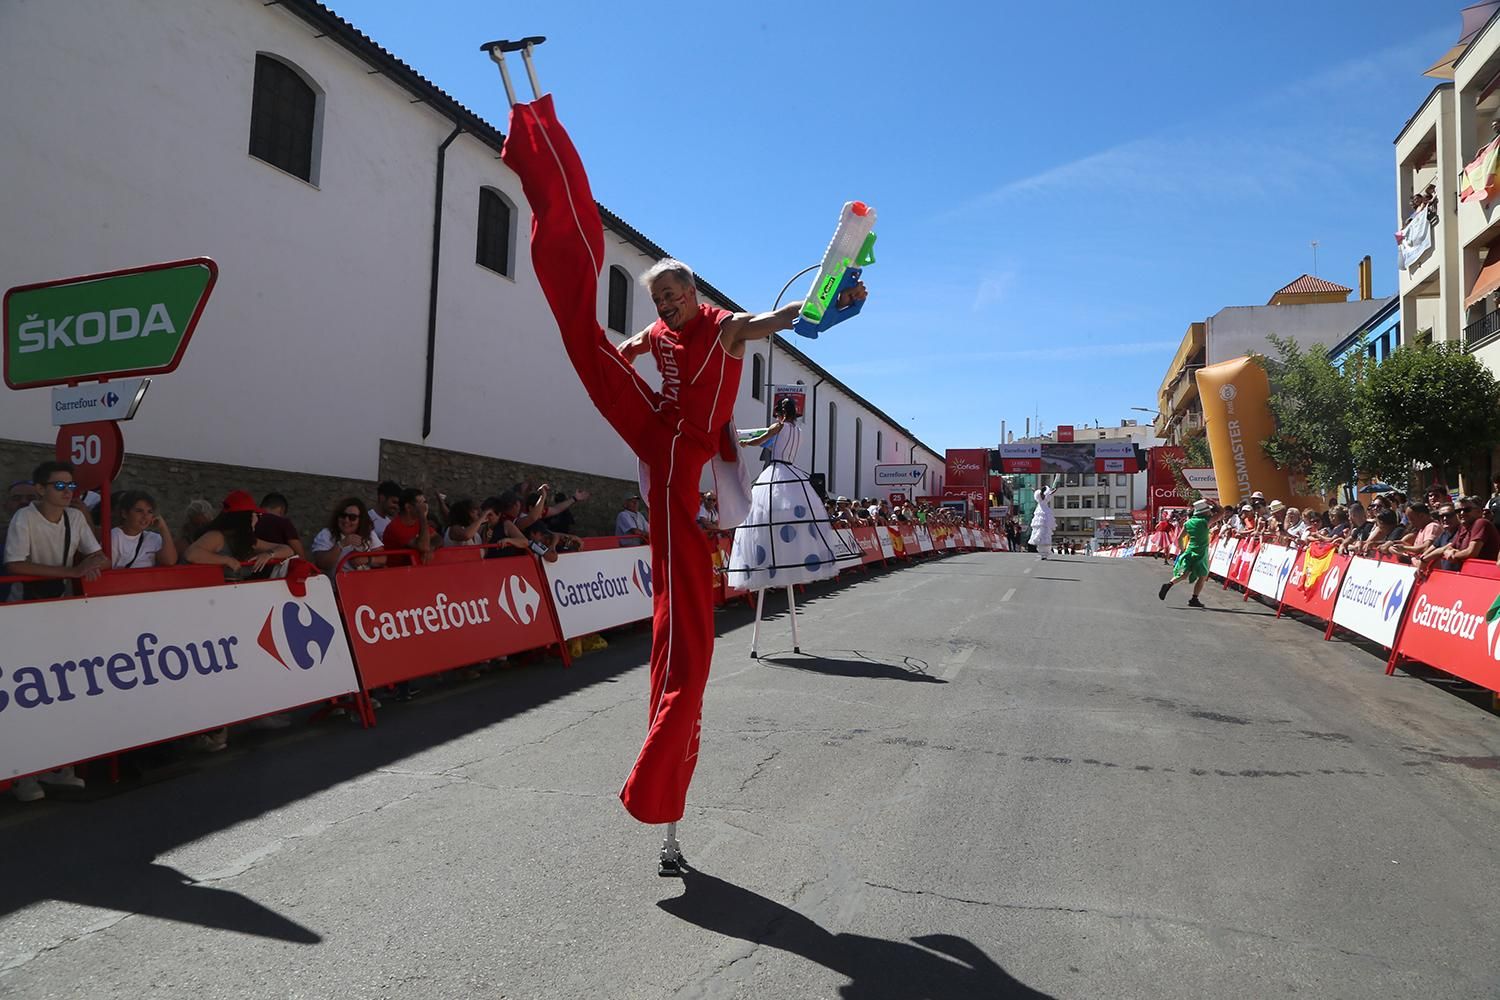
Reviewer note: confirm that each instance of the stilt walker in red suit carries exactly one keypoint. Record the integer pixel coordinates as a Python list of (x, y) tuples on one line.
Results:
[(699, 350)]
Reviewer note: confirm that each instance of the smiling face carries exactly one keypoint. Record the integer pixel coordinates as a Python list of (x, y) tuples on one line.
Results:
[(139, 517), (675, 302)]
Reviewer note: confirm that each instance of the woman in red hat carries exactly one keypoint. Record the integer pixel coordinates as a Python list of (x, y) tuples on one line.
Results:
[(229, 540)]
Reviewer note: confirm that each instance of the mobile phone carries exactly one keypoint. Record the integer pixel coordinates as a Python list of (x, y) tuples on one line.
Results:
[(538, 548)]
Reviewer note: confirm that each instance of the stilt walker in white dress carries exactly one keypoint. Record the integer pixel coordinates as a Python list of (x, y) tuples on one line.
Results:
[(786, 538), (1042, 522)]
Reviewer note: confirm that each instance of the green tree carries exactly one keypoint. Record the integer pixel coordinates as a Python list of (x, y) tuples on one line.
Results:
[(1430, 404), (1316, 406)]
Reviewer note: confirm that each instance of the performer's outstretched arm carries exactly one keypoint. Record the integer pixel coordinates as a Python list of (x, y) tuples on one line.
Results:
[(743, 327)]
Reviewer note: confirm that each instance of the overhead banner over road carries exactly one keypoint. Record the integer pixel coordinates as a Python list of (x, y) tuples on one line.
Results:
[(1021, 458), (1115, 456), (87, 678)]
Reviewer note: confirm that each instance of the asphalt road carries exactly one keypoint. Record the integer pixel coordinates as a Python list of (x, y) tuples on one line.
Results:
[(989, 777)]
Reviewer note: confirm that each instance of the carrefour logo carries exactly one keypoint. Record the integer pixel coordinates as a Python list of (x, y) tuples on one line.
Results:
[(1286, 568), (1393, 600), (642, 577), (285, 636), (519, 600), (1331, 582), (87, 676), (599, 587)]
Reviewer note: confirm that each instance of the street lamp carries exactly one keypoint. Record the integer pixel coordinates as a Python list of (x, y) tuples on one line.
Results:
[(1146, 409), (771, 341)]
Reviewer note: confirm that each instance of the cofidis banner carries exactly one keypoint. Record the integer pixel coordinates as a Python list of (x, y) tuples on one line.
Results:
[(85, 678), (411, 621), (593, 591), (1372, 598)]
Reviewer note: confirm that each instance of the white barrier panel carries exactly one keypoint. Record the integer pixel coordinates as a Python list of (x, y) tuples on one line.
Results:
[(87, 678), (1223, 555), (887, 545), (1372, 598), (846, 551), (924, 540), (600, 589), (1272, 566)]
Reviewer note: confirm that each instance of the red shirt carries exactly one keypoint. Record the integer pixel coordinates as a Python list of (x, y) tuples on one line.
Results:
[(1489, 539), (698, 376), (400, 535)]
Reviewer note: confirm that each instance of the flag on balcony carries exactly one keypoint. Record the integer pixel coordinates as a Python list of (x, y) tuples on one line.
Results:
[(1416, 238), (1478, 179)]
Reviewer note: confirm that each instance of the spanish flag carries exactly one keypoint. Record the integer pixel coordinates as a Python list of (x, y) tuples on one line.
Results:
[(1319, 557)]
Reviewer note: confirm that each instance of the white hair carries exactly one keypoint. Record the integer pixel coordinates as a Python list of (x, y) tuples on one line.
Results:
[(675, 268)]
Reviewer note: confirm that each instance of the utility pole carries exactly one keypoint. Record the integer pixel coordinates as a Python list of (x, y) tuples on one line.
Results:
[(1315, 257)]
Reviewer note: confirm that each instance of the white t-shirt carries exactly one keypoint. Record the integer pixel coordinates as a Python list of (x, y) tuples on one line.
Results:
[(375, 519), (323, 542), (34, 539), (139, 552)]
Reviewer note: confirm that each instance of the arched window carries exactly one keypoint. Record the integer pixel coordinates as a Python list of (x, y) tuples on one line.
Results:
[(859, 474), (757, 375), (284, 118), (833, 444), (619, 299), (496, 232)]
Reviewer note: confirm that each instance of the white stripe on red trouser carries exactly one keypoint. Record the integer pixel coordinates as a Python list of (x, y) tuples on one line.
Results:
[(567, 251)]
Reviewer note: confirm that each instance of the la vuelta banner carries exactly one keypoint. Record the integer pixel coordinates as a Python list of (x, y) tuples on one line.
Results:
[(1273, 565), (593, 591), (1115, 456), (86, 678), (1455, 625), (410, 621), (1023, 458), (1372, 598), (1313, 586)]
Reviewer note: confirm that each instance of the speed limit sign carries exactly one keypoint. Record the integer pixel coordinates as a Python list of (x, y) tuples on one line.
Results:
[(95, 450)]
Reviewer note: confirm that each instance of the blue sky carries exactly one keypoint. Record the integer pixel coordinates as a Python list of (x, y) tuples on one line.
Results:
[(1061, 191)]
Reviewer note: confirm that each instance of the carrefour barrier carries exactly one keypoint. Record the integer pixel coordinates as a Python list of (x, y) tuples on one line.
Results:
[(95, 676), (1273, 564), (410, 621), (593, 591), (1372, 598), (1453, 626), (1223, 556), (1313, 587)]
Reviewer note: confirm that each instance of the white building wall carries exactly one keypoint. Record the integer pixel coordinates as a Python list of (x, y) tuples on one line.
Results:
[(313, 346)]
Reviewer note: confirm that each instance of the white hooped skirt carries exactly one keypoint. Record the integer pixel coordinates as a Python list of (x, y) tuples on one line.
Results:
[(786, 538)]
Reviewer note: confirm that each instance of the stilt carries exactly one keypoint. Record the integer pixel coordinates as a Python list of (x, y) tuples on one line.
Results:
[(672, 864), (760, 603), (791, 603), (497, 50)]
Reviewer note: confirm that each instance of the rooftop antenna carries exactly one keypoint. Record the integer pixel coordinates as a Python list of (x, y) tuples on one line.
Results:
[(1315, 257)]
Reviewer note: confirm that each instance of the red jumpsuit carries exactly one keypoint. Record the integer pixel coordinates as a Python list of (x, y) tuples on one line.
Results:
[(675, 432)]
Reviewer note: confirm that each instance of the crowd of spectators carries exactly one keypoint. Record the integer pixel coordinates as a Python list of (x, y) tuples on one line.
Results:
[(1437, 530)]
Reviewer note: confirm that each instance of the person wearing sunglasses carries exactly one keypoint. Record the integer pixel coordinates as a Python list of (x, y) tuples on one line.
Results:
[(1476, 538), (351, 528)]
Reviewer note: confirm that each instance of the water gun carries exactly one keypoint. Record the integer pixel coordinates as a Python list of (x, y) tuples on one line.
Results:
[(849, 252)]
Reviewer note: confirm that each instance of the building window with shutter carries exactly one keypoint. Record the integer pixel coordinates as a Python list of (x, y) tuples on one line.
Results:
[(619, 300), (757, 376), (496, 232), (284, 117)]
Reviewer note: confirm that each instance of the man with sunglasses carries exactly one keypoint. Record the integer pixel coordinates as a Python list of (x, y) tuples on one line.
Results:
[(1476, 538)]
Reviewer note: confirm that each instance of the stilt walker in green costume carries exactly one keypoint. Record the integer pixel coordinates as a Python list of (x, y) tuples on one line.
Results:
[(1193, 563)]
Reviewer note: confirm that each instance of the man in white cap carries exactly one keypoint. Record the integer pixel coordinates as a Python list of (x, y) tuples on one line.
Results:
[(1193, 563)]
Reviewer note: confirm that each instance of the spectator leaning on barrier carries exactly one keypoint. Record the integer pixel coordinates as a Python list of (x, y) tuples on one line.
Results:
[(468, 524), (143, 538), (275, 527), (51, 537), (1386, 524), (195, 521), (1476, 538), (410, 529), (229, 540), (387, 506), (631, 521), (1420, 533), (351, 528)]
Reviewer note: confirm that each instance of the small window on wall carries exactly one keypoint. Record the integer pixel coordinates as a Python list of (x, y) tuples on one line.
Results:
[(757, 376), (1119, 500), (619, 300), (1119, 479), (496, 229), (284, 118)]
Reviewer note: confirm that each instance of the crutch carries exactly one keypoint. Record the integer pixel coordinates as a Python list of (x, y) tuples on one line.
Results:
[(671, 864), (497, 50)]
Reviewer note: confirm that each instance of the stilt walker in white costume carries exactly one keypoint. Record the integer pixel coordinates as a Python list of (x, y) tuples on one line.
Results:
[(1042, 523), (786, 538)]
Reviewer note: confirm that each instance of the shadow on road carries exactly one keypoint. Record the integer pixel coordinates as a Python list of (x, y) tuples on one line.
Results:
[(861, 665), (935, 966)]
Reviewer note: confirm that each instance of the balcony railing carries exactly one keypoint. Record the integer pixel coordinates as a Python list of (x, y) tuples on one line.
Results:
[(1483, 331)]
